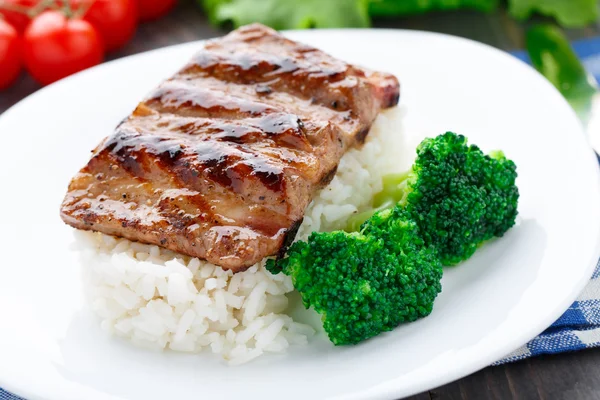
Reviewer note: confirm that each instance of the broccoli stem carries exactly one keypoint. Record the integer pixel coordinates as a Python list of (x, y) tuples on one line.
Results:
[(396, 187), (395, 191), (355, 221)]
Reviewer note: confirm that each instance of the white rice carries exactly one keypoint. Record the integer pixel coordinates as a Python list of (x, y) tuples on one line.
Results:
[(159, 299)]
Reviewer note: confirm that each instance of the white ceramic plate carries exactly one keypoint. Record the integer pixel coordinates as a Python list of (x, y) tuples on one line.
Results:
[(51, 347)]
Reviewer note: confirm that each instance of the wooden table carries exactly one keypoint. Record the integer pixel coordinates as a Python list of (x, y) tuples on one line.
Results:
[(565, 376)]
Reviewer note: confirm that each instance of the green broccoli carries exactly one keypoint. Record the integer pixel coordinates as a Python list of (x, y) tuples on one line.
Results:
[(458, 196), (368, 282), (387, 269)]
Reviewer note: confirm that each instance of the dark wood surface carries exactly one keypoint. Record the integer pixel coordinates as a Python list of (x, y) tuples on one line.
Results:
[(563, 376)]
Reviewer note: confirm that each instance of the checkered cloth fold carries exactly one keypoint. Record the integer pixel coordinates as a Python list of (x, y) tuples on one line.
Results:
[(578, 328), (4, 395)]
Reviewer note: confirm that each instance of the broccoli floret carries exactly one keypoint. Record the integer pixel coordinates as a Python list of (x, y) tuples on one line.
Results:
[(386, 269), (365, 283), (458, 196)]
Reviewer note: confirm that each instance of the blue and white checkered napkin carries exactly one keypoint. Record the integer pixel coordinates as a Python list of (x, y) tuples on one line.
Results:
[(579, 327), (4, 395)]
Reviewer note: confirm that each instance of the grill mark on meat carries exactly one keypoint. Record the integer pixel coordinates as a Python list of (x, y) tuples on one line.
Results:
[(297, 82), (278, 71), (284, 129), (221, 160), (130, 150), (180, 96), (175, 213), (245, 67), (290, 66), (230, 165), (305, 109), (168, 202), (225, 164), (199, 96)]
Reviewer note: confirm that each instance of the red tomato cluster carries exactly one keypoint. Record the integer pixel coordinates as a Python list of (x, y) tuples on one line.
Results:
[(54, 39)]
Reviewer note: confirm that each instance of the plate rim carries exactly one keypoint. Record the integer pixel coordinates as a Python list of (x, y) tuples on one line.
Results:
[(390, 388)]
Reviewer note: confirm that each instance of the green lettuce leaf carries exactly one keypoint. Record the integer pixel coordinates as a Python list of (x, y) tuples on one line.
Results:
[(290, 14), (552, 55), (408, 7), (211, 6), (569, 13), (298, 14)]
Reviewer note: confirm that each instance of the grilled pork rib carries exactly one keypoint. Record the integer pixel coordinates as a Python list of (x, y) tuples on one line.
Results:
[(222, 159)]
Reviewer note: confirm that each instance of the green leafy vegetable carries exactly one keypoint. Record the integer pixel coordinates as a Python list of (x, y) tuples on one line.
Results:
[(299, 14), (211, 7), (552, 55), (408, 7), (570, 13), (290, 14)]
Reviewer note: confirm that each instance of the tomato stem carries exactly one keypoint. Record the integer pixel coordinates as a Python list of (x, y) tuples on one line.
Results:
[(67, 9), (83, 9), (41, 7), (31, 12), (14, 7)]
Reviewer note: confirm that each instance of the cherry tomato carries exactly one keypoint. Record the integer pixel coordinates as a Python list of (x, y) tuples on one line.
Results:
[(56, 47), (153, 9), (115, 20), (11, 60), (18, 19)]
